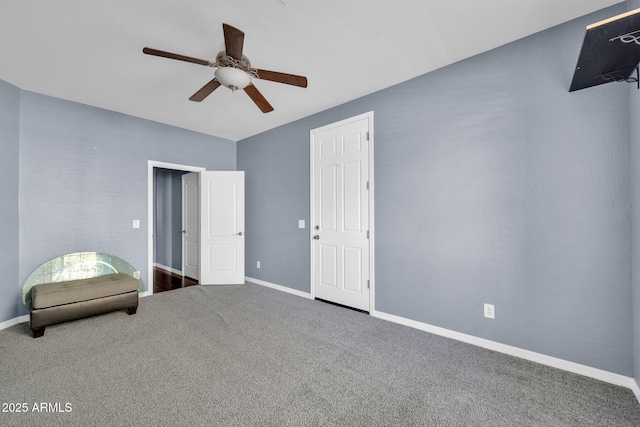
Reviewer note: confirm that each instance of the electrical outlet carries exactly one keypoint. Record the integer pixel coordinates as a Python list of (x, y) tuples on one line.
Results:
[(489, 311), (258, 264)]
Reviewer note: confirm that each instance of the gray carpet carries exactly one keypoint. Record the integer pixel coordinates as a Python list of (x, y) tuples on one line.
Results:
[(252, 356)]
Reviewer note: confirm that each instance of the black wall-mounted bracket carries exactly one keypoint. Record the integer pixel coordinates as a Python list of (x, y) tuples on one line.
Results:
[(636, 78), (610, 52), (619, 76)]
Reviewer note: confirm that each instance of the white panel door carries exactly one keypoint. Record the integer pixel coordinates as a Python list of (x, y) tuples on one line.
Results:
[(190, 226), (221, 228), (340, 213)]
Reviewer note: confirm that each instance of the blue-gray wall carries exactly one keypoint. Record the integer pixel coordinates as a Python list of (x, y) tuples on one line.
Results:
[(83, 178), (168, 214), (493, 184), (276, 197), (634, 113), (9, 219)]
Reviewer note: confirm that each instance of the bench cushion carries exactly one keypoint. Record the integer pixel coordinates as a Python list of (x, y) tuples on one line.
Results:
[(55, 294)]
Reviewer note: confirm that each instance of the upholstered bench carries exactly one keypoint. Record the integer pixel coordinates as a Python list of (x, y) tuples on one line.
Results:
[(63, 301)]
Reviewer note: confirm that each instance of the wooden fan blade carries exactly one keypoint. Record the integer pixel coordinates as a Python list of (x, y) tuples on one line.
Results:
[(289, 79), (156, 52), (257, 97), (233, 41), (205, 91)]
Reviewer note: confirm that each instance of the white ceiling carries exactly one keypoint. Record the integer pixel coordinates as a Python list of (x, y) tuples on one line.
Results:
[(91, 51)]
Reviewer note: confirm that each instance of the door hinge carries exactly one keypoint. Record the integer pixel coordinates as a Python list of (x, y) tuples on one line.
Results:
[(367, 234), (367, 185), (368, 284), (367, 135)]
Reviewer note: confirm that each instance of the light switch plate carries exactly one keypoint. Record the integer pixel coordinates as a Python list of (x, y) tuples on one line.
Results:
[(301, 223), (136, 223)]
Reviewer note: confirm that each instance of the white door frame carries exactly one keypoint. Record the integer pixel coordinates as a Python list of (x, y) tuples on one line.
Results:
[(312, 133), (150, 196)]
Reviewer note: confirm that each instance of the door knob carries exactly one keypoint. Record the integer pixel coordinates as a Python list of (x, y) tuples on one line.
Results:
[(239, 233), (316, 237)]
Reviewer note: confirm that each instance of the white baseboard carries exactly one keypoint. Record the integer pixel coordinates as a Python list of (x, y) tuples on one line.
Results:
[(11, 322), (635, 389), (278, 287), (554, 362), (169, 269)]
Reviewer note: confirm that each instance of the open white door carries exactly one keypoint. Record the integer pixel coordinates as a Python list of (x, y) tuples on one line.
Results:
[(221, 228), (190, 232)]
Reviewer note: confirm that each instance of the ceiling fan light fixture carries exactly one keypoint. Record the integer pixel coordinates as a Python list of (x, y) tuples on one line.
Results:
[(233, 78)]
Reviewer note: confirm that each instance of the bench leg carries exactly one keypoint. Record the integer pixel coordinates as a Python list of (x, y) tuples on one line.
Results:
[(132, 310), (38, 332)]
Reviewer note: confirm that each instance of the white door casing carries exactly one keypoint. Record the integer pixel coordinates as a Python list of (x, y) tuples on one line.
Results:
[(341, 213), (221, 228), (190, 226)]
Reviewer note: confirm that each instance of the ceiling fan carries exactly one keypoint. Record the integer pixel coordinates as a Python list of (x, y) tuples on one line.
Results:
[(233, 70)]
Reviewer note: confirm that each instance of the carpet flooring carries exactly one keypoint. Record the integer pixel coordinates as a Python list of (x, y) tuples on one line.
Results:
[(253, 356)]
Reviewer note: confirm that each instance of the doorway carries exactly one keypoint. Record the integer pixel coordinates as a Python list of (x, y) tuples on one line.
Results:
[(342, 212), (168, 220), (168, 276)]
